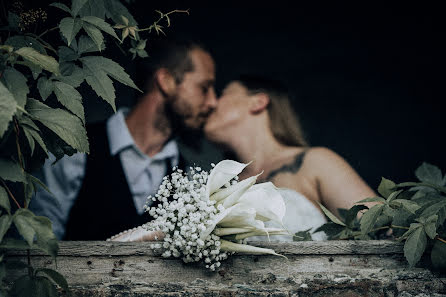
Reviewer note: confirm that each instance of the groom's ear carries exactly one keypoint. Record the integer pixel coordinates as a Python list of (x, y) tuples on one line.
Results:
[(259, 102), (165, 81)]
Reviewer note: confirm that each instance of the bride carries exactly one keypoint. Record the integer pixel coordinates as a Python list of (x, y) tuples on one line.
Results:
[(254, 121)]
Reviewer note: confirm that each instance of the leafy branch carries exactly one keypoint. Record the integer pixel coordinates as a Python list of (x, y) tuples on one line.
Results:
[(415, 212)]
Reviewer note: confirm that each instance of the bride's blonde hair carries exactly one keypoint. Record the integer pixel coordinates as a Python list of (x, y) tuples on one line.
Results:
[(283, 121)]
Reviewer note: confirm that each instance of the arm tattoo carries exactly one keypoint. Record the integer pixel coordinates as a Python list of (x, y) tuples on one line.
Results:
[(292, 167)]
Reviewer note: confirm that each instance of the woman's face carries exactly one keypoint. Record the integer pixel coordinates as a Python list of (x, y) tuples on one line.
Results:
[(232, 108)]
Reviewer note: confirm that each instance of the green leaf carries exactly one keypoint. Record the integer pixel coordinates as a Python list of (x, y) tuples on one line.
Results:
[(372, 199), (101, 24), (45, 238), (13, 20), (352, 214), (19, 41), (76, 5), (370, 217), (67, 54), (38, 182), (430, 227), (61, 6), (438, 255), (4, 200), (101, 84), (331, 229), (10, 170), (415, 246), (46, 62), (69, 27), (385, 188), (55, 276), (408, 205), (438, 209), (12, 243), (33, 135), (429, 174), (45, 87), (394, 195), (23, 219), (87, 45), (15, 81), (94, 8), (37, 286), (75, 79), (114, 9), (95, 34), (303, 236), (8, 107), (331, 216), (67, 126), (70, 98), (5, 222)]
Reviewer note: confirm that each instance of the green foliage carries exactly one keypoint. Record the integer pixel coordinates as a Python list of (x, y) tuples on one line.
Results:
[(414, 211), (42, 112)]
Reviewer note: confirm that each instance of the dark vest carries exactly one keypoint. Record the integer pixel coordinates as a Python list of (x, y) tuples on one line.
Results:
[(104, 205)]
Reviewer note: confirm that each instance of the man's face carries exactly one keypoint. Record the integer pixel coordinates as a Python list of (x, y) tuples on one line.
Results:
[(195, 98)]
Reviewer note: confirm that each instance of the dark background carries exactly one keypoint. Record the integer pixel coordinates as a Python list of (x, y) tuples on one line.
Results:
[(367, 78)]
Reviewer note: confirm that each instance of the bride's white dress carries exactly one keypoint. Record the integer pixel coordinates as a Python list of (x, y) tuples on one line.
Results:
[(300, 215)]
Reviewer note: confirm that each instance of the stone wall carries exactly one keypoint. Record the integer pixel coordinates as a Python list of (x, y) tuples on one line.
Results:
[(341, 268)]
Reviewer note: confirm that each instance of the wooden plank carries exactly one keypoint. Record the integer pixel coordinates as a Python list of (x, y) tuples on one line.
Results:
[(333, 247)]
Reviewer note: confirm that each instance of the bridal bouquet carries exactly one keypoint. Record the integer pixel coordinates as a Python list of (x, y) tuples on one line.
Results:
[(206, 216)]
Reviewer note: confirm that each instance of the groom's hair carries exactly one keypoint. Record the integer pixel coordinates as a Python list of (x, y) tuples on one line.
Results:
[(283, 121), (170, 53)]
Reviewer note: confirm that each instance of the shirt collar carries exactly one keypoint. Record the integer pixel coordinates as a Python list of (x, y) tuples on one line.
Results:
[(120, 138)]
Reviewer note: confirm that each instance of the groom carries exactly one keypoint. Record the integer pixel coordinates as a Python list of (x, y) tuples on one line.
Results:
[(100, 194)]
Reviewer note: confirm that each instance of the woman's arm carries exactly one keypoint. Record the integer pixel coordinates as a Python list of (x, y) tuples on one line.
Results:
[(339, 185)]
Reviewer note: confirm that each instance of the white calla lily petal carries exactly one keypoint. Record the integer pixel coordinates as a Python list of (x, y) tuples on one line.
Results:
[(239, 187), (223, 172), (229, 246), (241, 215), (266, 200), (230, 231)]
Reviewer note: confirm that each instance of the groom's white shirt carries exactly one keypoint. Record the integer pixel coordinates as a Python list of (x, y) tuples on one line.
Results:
[(144, 174)]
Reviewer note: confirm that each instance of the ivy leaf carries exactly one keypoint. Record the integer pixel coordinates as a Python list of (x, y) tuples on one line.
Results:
[(114, 9), (100, 24), (5, 223), (37, 286), (23, 219), (33, 135), (19, 41), (38, 182), (70, 98), (12, 243), (95, 34), (415, 246), (75, 79), (4, 200), (386, 186), (67, 54), (8, 107), (10, 170), (352, 214), (408, 205), (303, 235), (76, 5), (430, 226), (101, 84), (331, 216), (331, 229), (67, 126), (61, 6), (56, 277), (438, 255), (69, 27), (372, 199), (429, 174), (87, 45), (45, 87), (46, 62), (370, 217), (45, 238), (95, 8), (438, 209), (111, 68), (15, 81)]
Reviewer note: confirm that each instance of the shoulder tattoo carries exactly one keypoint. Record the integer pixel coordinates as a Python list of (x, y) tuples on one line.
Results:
[(291, 167)]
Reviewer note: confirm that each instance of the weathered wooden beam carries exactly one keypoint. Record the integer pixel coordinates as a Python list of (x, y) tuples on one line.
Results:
[(344, 268)]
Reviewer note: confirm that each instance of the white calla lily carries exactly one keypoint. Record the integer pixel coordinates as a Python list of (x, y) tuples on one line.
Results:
[(222, 173), (229, 246), (230, 231), (241, 215), (266, 200), (238, 189)]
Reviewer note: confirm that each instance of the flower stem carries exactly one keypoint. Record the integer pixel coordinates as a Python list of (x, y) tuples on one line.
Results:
[(440, 239), (47, 31)]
